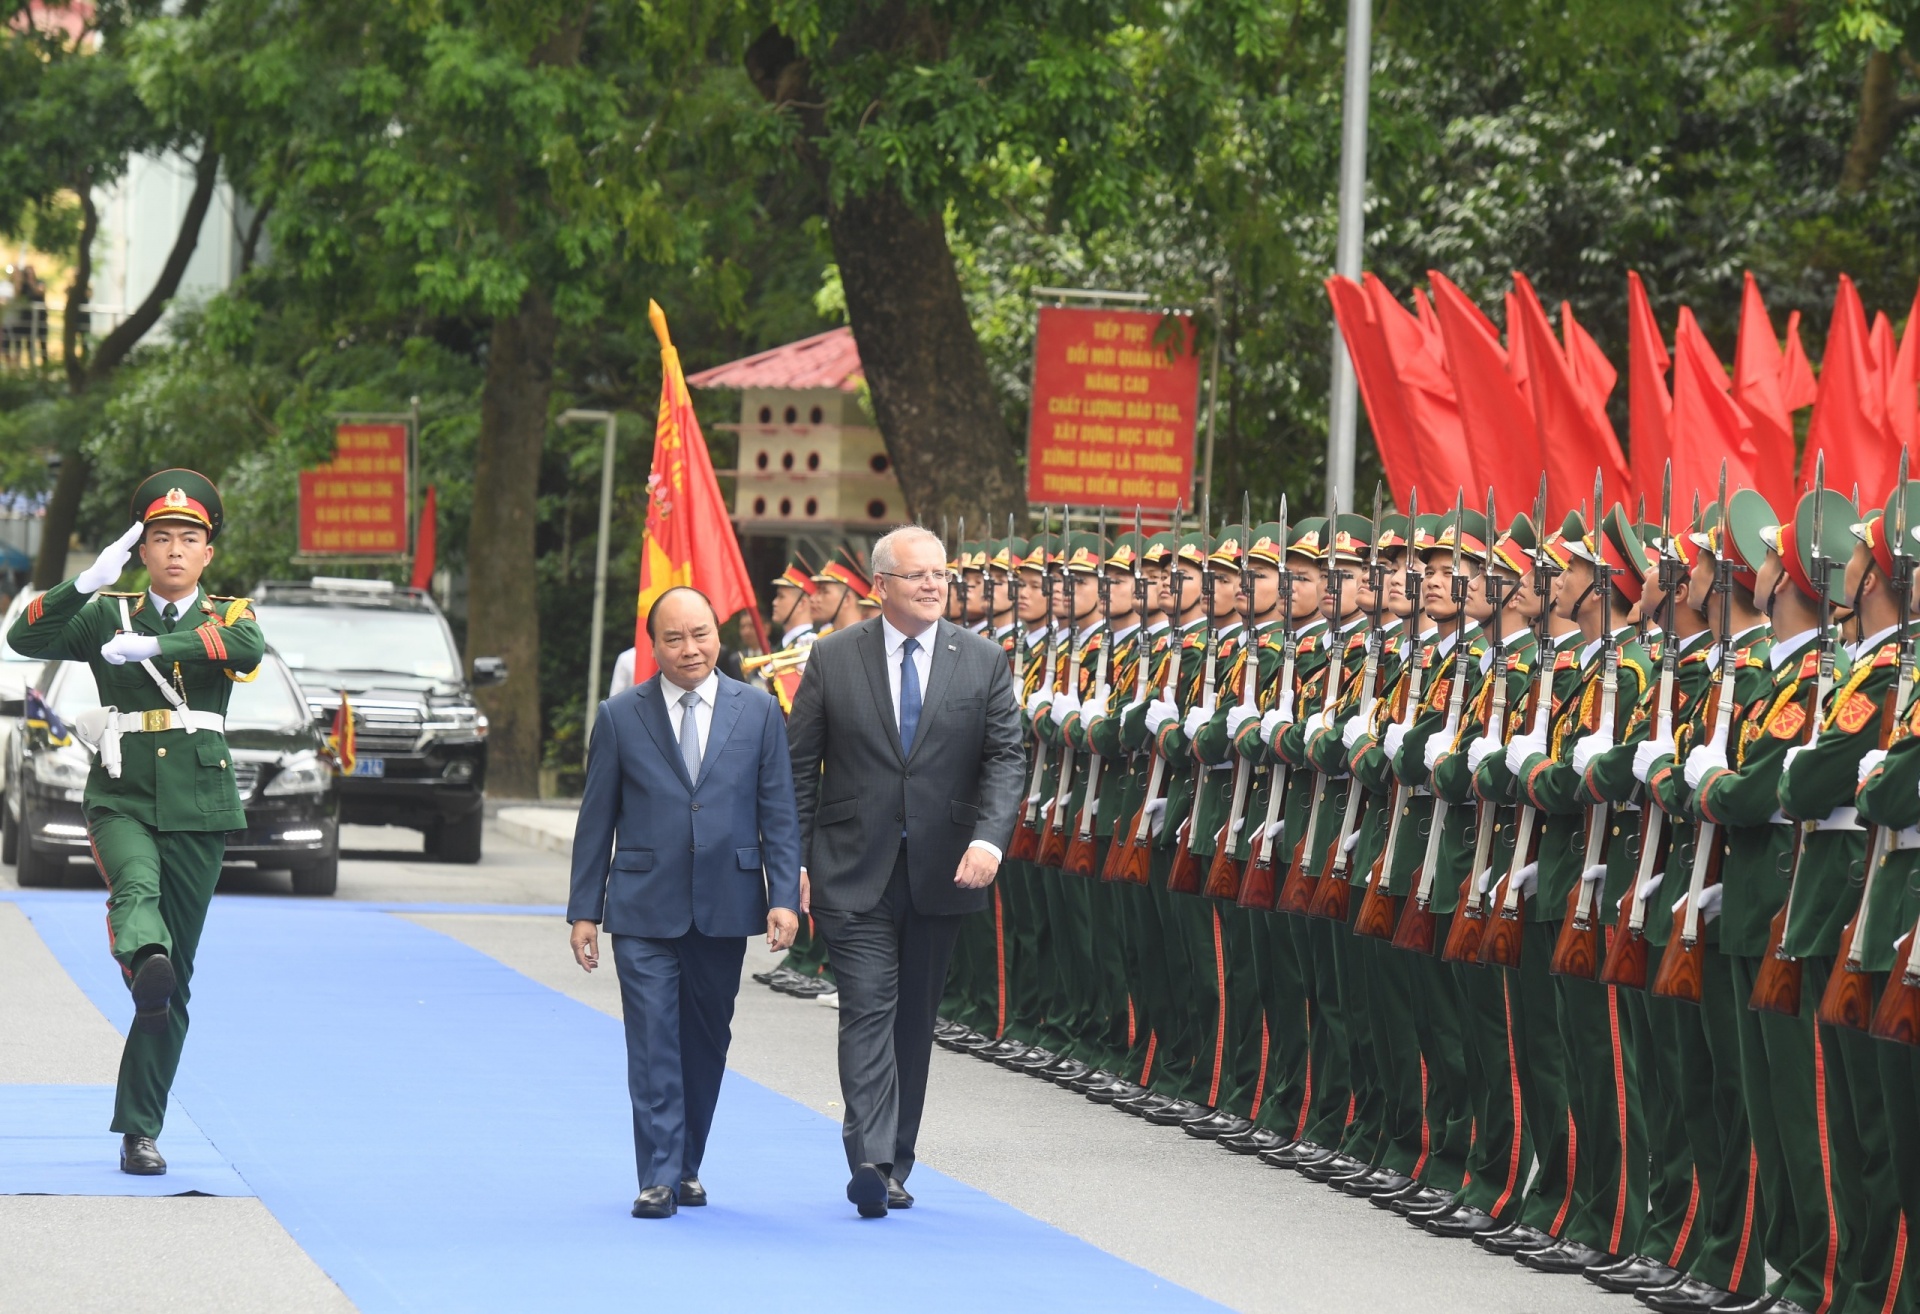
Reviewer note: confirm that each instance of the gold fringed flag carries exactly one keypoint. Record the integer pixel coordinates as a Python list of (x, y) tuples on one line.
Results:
[(689, 539), (340, 740)]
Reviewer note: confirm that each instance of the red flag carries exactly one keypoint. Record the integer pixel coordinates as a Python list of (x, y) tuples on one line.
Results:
[(1373, 369), (689, 539), (1903, 380), (1757, 368), (1880, 336), (1592, 372), (426, 538), (1498, 424), (1649, 407), (1519, 368), (1426, 393), (1707, 425), (1574, 436), (1797, 388), (1850, 413)]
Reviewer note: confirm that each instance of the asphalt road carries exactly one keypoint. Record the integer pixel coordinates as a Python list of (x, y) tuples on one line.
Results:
[(1248, 1236)]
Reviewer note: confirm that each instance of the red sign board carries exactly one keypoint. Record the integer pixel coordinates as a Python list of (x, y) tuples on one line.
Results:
[(1113, 408), (357, 505)]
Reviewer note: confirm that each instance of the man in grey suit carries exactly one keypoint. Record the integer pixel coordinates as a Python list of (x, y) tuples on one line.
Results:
[(686, 845), (907, 769)]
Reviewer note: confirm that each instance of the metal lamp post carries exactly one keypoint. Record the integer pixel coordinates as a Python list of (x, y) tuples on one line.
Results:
[(599, 560)]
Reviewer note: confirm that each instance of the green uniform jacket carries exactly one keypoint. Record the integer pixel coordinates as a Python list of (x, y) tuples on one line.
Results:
[(1373, 768), (1890, 796), (1454, 782), (170, 779), (1692, 677), (1410, 766), (1172, 741)]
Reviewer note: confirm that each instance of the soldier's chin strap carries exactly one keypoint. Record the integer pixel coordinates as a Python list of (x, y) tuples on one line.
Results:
[(172, 695)]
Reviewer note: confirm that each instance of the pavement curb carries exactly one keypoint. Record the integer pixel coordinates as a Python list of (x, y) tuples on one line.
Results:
[(547, 828)]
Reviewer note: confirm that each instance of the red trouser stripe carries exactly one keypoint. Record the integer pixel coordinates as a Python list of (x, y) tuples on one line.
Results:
[(1306, 1095), (1826, 1172), (1260, 1087), (1746, 1222), (1686, 1224), (1146, 1068), (1620, 1104), (1899, 1264), (1426, 1129), (1513, 1080), (1573, 1155), (1220, 1030), (1000, 962)]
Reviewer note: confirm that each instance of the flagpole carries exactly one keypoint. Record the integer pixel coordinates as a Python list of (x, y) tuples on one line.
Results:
[(599, 565), (1342, 416)]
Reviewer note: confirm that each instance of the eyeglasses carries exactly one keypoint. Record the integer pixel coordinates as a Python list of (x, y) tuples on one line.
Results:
[(915, 579)]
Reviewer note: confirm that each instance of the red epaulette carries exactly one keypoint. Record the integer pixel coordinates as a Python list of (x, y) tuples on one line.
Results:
[(1306, 646), (1567, 660), (1889, 655), (1809, 665)]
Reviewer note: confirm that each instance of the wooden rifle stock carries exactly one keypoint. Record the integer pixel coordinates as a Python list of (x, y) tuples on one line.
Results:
[(1776, 988), (1053, 841), (1848, 998), (1500, 940), (1626, 960), (1419, 926), (1577, 950), (1332, 896), (1296, 890), (1379, 911), (1683, 964), (1898, 1017), (1469, 924), (1186, 876), (1026, 841), (1256, 882), (1081, 855), (1223, 874)]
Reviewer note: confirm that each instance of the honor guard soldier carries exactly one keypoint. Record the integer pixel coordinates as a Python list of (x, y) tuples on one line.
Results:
[(161, 796)]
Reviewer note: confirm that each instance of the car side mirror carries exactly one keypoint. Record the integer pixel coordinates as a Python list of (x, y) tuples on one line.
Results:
[(489, 670), (13, 707)]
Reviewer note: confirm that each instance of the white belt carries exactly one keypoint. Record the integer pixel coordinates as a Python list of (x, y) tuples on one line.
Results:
[(133, 723), (1902, 840), (1839, 819)]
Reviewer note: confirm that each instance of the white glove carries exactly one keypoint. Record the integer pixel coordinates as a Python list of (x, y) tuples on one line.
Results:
[(1285, 709), (1159, 714), (1095, 709), (1157, 816), (1037, 700), (1395, 733), (1651, 884), (1874, 757), (124, 648), (1710, 902), (1649, 752), (1237, 717), (1436, 748), (1350, 843), (1597, 872), (107, 567), (1351, 732), (1705, 758), (1063, 707), (1480, 750), (1196, 717), (1273, 831), (1320, 722), (1521, 749), (1589, 747), (1795, 751), (1270, 724), (1486, 879), (1526, 878)]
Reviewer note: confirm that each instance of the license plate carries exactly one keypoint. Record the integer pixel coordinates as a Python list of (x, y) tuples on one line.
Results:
[(375, 767)]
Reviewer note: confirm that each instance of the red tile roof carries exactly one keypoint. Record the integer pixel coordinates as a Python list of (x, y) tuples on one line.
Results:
[(825, 360)]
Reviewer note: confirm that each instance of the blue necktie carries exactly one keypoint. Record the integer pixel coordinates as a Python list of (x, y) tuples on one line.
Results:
[(690, 735), (909, 694)]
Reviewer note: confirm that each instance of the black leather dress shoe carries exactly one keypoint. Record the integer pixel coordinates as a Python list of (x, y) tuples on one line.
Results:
[(766, 977), (691, 1194), (1294, 1153), (1117, 1093), (1379, 1181), (972, 1043), (1215, 1125), (1176, 1112), (1383, 1199), (1064, 1071), (1634, 1273), (1563, 1257), (897, 1197), (1426, 1200), (1334, 1165), (1513, 1238), (1093, 1079), (1464, 1220), (805, 987), (153, 983), (1682, 1296), (1004, 1048), (1255, 1140), (867, 1191), (1145, 1102), (655, 1202), (1421, 1217), (1034, 1058), (139, 1157)]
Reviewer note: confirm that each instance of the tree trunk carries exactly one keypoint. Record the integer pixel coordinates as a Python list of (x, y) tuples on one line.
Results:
[(503, 602), (1882, 112), (931, 392), (932, 396)]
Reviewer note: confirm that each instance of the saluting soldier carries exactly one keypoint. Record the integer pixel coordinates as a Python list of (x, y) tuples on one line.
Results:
[(161, 797)]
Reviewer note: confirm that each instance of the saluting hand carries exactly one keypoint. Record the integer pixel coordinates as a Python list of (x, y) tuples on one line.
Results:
[(113, 558)]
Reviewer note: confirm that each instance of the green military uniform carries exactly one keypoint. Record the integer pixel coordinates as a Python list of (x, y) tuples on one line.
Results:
[(159, 828)]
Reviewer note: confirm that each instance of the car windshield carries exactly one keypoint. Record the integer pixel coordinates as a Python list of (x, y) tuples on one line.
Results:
[(269, 701), (360, 639)]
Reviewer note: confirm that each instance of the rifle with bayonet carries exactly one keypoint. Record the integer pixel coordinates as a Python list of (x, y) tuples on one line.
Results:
[(1223, 876), (1334, 896), (1053, 835), (1080, 853), (1297, 890), (1256, 880), (1418, 921), (1185, 876), (1135, 866), (1576, 952), (1470, 919), (1121, 842), (1776, 987), (1500, 940), (1026, 838), (1682, 961), (1626, 961), (1380, 911)]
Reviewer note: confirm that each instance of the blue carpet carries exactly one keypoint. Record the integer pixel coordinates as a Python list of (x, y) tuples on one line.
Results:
[(441, 1133), (53, 1141)]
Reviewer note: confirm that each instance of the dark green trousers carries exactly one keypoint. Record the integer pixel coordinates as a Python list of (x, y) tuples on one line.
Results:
[(1900, 1091), (1438, 1024), (1674, 1231), (1393, 1046), (1026, 921), (1731, 1220), (1542, 1059), (159, 884), (1610, 1162), (1502, 1156), (1184, 1068), (1284, 1008), (1866, 1196)]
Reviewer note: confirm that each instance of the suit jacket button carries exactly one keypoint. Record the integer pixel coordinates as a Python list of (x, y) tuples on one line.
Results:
[(162, 752), (696, 807)]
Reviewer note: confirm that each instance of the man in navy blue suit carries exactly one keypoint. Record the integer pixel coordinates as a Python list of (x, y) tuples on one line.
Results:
[(688, 843)]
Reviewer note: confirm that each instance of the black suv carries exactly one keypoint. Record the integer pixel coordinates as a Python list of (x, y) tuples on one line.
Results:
[(285, 784), (420, 743)]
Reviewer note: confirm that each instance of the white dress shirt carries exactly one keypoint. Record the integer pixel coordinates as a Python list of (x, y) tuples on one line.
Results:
[(923, 666), (181, 609), (707, 690)]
